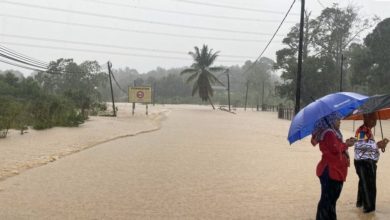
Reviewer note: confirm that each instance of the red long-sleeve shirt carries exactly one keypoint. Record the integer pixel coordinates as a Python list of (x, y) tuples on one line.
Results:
[(333, 156)]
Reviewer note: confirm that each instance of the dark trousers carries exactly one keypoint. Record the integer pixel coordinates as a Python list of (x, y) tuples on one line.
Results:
[(366, 197), (330, 192)]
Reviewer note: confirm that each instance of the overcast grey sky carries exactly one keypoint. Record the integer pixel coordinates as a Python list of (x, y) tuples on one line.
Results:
[(145, 34)]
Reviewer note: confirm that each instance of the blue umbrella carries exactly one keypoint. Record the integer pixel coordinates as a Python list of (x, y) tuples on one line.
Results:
[(302, 124)]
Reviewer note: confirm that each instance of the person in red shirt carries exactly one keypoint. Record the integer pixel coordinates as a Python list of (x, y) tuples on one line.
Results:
[(333, 167)]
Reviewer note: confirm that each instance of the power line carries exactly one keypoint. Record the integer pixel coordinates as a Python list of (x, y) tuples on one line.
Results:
[(186, 13), (21, 56), (18, 65), (109, 52), (20, 61), (4, 54), (35, 69), (92, 51), (43, 69), (117, 84), (241, 40), (105, 45), (261, 54), (13, 58), (132, 19), (231, 7), (320, 4)]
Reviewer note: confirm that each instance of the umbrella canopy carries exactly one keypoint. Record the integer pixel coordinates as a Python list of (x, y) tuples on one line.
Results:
[(344, 103), (382, 114), (378, 103)]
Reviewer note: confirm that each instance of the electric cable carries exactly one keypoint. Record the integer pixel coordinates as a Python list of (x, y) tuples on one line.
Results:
[(18, 65), (241, 40), (20, 61), (105, 45), (21, 56), (231, 7), (42, 69), (131, 19), (107, 52), (186, 13), (265, 48), (116, 82)]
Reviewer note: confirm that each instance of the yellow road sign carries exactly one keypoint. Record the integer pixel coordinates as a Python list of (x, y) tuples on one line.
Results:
[(140, 94)]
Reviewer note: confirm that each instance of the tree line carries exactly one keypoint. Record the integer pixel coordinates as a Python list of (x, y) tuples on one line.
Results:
[(171, 87), (333, 58)]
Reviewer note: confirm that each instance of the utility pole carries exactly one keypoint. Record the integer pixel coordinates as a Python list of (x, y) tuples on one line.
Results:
[(154, 93), (109, 65), (228, 81), (258, 95), (246, 94), (133, 107), (262, 97), (299, 73), (341, 73)]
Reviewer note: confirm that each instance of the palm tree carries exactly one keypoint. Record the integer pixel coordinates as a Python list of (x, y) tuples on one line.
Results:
[(201, 72)]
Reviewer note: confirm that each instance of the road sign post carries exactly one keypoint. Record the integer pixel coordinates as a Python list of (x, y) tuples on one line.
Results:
[(140, 94)]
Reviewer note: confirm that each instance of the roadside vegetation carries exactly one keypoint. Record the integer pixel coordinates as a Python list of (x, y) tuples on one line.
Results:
[(63, 96)]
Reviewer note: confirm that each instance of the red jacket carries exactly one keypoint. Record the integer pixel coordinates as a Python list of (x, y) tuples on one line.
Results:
[(334, 157)]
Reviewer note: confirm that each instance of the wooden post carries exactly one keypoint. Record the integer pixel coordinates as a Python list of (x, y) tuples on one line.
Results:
[(228, 81), (299, 72), (262, 97), (109, 65), (154, 93), (246, 94), (132, 113)]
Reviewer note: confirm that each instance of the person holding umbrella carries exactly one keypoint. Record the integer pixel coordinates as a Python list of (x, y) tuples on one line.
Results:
[(366, 157), (333, 167), (321, 119)]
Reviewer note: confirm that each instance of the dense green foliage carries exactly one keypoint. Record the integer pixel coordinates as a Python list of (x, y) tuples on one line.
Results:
[(77, 83), (370, 62), (23, 103), (326, 38), (62, 96)]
